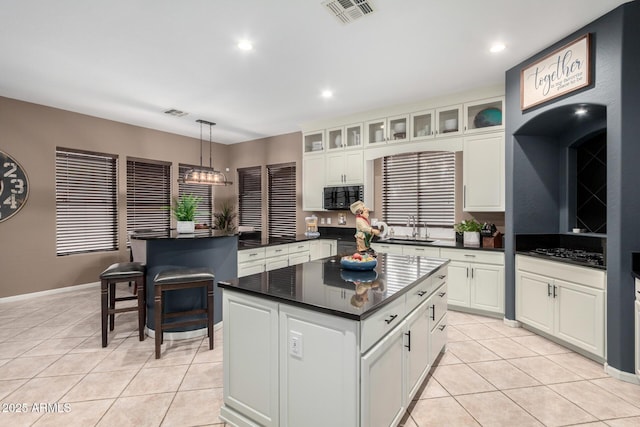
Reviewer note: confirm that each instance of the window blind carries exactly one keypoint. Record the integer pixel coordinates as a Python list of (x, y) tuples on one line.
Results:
[(86, 202), (282, 200), (203, 214), (148, 195), (250, 197), (420, 184)]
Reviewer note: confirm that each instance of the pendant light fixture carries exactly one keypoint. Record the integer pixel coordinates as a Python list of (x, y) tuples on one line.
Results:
[(203, 174)]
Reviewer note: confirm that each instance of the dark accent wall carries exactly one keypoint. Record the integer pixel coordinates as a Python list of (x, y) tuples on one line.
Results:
[(538, 165)]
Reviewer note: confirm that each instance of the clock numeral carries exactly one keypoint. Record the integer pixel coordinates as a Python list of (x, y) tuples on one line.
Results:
[(19, 186), (11, 201), (11, 172)]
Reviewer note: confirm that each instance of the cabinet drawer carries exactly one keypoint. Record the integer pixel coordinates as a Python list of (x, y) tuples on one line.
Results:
[(485, 257), (438, 303), (248, 268), (276, 250), (440, 277), (298, 247), (591, 277), (421, 250), (419, 293), (299, 258), (250, 254), (380, 323), (387, 248), (277, 262), (438, 339)]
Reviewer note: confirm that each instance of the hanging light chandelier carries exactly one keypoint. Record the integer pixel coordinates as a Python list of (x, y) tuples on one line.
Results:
[(203, 174)]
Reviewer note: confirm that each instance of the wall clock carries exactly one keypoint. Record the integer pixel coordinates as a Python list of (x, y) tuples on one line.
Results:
[(14, 187)]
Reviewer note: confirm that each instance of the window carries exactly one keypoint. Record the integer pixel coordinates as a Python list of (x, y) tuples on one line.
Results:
[(86, 202), (420, 184), (148, 195), (250, 197), (203, 214), (282, 200)]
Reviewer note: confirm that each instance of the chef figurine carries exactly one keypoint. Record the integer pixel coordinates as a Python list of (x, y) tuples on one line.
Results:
[(364, 231)]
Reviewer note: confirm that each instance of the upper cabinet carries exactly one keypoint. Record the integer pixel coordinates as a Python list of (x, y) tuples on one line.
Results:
[(390, 129), (345, 137), (422, 125), (485, 115), (313, 142), (483, 175)]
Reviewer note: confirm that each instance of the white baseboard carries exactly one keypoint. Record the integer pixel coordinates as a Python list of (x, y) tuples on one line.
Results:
[(621, 375), (48, 292), (512, 323)]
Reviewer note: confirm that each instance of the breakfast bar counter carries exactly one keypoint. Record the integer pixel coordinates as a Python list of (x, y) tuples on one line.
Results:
[(168, 249)]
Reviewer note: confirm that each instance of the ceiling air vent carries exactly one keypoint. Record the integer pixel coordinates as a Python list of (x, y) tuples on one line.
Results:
[(347, 11), (174, 112)]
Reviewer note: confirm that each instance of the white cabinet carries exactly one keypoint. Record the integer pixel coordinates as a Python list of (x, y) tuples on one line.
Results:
[(484, 115), (389, 129), (417, 353), (563, 300), (389, 248), (322, 248), (250, 382), (313, 142), (345, 137), (483, 173), (382, 382), (344, 167), (421, 250), (422, 125), (476, 279), (449, 120), (298, 253), (250, 261), (313, 178)]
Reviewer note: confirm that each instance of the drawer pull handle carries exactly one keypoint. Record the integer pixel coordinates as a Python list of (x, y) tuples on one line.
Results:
[(554, 290), (422, 293), (441, 327), (278, 250), (391, 318), (442, 276), (548, 290), (408, 346), (254, 254), (441, 294), (470, 255)]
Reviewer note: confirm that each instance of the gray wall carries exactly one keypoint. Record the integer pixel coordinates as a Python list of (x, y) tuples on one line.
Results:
[(537, 194)]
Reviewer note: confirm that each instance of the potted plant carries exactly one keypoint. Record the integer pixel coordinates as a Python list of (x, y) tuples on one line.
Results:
[(470, 230), (184, 209), (224, 219)]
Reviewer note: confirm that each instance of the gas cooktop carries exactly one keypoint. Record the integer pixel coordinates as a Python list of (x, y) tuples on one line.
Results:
[(575, 255)]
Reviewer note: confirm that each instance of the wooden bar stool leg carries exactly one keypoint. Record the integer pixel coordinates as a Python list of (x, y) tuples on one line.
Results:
[(104, 309), (210, 313), (157, 302), (112, 305), (142, 306)]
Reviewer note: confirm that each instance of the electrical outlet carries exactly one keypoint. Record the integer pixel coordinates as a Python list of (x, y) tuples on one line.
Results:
[(322, 221), (295, 344), (329, 221)]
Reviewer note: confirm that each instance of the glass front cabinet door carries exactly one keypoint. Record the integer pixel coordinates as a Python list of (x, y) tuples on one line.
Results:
[(313, 142), (422, 125), (398, 129), (375, 133), (344, 137), (485, 115), (448, 121)]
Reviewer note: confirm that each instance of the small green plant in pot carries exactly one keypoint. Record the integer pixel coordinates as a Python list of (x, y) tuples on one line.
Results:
[(470, 230), (184, 209), (225, 217)]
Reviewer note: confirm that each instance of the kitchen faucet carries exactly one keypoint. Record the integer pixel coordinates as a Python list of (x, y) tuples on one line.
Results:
[(411, 222)]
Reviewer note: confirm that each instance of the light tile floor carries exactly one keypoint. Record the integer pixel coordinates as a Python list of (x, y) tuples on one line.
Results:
[(491, 375)]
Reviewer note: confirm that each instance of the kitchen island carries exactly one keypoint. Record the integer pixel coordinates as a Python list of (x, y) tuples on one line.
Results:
[(167, 249), (362, 341)]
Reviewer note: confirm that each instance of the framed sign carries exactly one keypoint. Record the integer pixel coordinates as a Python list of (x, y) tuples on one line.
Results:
[(14, 187), (562, 71)]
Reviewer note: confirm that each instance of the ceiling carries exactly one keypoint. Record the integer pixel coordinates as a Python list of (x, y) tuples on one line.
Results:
[(131, 60)]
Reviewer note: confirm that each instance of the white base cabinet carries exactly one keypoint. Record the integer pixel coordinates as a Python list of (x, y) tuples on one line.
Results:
[(476, 279), (295, 358), (562, 300), (322, 248)]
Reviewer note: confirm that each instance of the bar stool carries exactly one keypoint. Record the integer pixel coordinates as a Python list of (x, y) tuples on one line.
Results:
[(116, 273), (176, 279)]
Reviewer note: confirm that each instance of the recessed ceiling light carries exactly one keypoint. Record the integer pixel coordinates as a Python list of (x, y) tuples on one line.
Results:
[(327, 94), (581, 111), (245, 45), (498, 47)]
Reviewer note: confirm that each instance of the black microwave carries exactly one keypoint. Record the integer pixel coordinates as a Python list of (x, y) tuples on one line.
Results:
[(341, 198)]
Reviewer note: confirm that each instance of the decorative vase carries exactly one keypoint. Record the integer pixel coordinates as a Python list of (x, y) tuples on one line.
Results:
[(471, 238), (186, 226)]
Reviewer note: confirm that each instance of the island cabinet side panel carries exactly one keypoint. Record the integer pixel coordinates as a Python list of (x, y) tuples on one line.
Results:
[(319, 366), (250, 360)]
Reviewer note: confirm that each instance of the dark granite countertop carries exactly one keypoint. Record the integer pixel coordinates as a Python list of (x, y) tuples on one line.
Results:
[(173, 234), (322, 285)]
